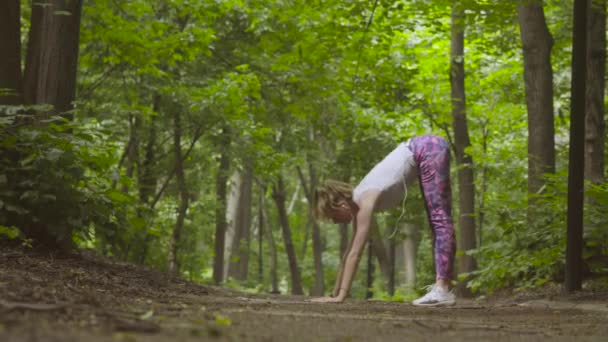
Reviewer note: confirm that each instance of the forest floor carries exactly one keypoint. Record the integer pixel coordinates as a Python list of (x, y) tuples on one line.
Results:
[(85, 297)]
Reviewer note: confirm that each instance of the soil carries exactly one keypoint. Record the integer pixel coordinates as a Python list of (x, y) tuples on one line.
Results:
[(86, 297)]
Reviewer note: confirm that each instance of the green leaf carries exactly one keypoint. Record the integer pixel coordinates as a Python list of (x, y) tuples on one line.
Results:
[(223, 320), (117, 196), (10, 232), (137, 222), (154, 231)]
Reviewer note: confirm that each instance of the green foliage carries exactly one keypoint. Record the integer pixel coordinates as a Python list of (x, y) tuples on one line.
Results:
[(524, 254), (54, 177), (596, 234)]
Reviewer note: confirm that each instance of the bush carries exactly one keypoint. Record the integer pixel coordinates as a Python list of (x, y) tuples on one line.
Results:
[(52, 189)]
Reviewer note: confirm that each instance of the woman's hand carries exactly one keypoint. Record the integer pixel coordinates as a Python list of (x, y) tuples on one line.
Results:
[(327, 300), (338, 298)]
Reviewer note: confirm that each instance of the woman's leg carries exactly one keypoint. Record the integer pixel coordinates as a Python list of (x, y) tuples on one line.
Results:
[(432, 155)]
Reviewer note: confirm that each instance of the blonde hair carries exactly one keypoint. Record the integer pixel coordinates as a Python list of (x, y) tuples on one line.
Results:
[(329, 196)]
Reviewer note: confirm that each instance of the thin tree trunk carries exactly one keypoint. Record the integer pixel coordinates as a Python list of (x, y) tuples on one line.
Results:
[(183, 192), (261, 230), (595, 125), (232, 209), (239, 268), (391, 265), (148, 179), (410, 252), (537, 43), (369, 293), (466, 185), (132, 152), (318, 288), (132, 165), (221, 180), (238, 217), (343, 227), (10, 59), (52, 54), (574, 244), (274, 279), (484, 186), (379, 250), (278, 194)]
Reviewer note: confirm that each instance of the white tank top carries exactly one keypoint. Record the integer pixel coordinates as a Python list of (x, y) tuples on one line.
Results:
[(391, 177)]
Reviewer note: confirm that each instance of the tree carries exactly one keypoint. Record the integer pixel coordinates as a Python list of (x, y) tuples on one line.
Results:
[(52, 54), (274, 281), (183, 194), (50, 79), (537, 43), (278, 194), (238, 217), (595, 126), (577, 148), (466, 183), (318, 288), (221, 180), (10, 59)]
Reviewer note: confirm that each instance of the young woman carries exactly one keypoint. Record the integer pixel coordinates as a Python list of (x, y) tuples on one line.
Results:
[(425, 157)]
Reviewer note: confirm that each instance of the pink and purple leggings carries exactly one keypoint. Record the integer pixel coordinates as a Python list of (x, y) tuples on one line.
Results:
[(432, 155)]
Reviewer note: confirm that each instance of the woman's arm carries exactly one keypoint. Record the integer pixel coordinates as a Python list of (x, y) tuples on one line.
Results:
[(338, 282), (351, 258), (363, 222)]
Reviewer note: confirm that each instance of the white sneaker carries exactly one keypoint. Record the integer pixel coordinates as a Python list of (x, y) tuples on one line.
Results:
[(436, 297)]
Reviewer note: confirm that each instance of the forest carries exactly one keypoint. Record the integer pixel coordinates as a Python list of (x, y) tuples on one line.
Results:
[(187, 137)]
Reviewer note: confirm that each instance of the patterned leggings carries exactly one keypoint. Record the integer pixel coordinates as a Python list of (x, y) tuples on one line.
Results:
[(432, 155)]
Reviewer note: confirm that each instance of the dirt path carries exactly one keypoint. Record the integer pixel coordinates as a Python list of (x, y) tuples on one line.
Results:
[(88, 298)]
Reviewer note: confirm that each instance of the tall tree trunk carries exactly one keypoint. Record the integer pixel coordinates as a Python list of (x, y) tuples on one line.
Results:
[(274, 279), (148, 178), (52, 54), (318, 288), (221, 180), (261, 231), (595, 126), (410, 251), (484, 185), (183, 194), (343, 227), (379, 250), (369, 293), (245, 250), (278, 194), (241, 222), (538, 77), (10, 59), (50, 78), (466, 185), (574, 244), (391, 264), (132, 165), (132, 152), (232, 209)]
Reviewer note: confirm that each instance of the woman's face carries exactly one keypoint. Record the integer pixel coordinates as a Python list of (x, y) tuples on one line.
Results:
[(342, 213)]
